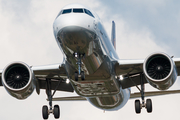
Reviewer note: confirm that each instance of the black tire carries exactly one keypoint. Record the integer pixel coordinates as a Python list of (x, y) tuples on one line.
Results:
[(45, 113), (56, 112), (149, 105), (82, 75), (137, 106), (76, 76)]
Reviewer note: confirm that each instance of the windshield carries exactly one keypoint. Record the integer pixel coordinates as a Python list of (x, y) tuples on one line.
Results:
[(76, 10)]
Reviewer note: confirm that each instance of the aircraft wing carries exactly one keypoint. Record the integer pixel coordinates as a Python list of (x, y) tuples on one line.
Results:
[(177, 63), (131, 69), (49, 71), (132, 96), (123, 67), (55, 72)]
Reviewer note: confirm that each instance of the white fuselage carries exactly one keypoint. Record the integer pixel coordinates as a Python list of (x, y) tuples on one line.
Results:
[(79, 30)]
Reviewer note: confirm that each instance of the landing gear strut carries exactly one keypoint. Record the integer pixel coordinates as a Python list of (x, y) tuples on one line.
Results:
[(80, 72), (54, 110), (147, 104)]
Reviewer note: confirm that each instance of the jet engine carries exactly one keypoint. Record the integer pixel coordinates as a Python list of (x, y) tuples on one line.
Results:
[(18, 80), (160, 70)]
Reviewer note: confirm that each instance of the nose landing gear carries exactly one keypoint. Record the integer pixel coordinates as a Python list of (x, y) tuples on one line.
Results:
[(79, 63)]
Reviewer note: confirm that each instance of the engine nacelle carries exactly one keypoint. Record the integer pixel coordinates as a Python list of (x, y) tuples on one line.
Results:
[(18, 80), (160, 70)]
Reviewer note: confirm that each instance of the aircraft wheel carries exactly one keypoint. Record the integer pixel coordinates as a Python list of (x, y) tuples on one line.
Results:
[(137, 106), (76, 76), (56, 112), (45, 113), (82, 75), (149, 105)]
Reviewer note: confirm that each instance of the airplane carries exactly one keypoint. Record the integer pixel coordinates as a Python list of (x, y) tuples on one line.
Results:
[(91, 68)]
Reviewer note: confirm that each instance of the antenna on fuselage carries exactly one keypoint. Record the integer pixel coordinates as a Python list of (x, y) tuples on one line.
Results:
[(113, 34)]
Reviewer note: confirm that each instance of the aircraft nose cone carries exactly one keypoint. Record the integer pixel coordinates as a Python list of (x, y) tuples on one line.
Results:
[(72, 19), (17, 77), (159, 68)]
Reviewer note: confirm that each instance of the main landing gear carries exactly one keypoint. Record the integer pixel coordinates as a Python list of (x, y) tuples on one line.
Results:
[(54, 110), (147, 104), (79, 72)]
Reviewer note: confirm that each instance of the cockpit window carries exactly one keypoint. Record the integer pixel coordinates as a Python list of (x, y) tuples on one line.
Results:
[(88, 12), (76, 10), (66, 11)]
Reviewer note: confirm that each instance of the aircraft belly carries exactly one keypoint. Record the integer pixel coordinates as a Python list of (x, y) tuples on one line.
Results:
[(97, 85), (110, 103), (96, 88)]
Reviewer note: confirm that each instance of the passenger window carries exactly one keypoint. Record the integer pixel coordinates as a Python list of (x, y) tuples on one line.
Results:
[(88, 12), (78, 10), (66, 11)]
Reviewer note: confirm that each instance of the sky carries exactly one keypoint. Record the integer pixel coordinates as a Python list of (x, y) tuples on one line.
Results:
[(142, 27)]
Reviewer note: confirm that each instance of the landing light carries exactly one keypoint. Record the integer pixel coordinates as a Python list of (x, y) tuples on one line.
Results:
[(121, 77), (76, 55), (67, 81)]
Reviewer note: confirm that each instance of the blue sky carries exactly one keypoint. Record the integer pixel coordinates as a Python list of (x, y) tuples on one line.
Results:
[(142, 27)]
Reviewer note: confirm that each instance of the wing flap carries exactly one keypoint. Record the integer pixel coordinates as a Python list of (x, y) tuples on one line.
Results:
[(74, 98)]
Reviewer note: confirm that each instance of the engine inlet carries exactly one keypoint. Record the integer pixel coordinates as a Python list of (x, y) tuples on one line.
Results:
[(158, 67)]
